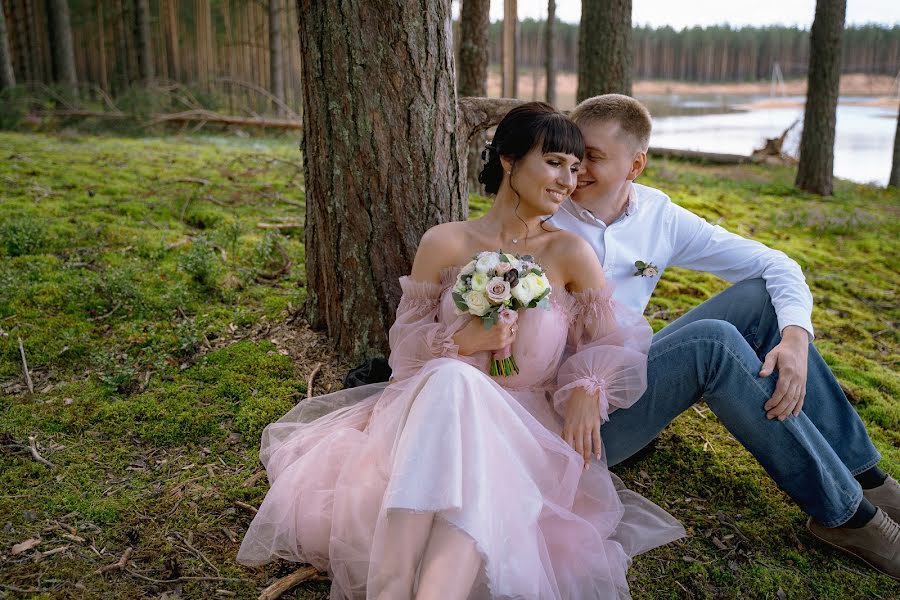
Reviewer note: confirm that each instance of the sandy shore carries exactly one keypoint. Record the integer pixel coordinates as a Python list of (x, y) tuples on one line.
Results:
[(882, 89)]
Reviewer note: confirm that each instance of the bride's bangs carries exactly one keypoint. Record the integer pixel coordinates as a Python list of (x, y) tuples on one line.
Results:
[(558, 134)]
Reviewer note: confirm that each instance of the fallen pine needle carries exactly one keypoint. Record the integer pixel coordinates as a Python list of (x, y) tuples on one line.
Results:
[(28, 381)]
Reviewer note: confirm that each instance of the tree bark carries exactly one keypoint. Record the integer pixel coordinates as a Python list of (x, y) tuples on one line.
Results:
[(173, 51), (101, 48), (7, 77), (894, 180), (604, 52), (276, 54), (550, 52), (61, 43), (510, 44), (146, 68), (472, 74), (815, 171), (380, 156)]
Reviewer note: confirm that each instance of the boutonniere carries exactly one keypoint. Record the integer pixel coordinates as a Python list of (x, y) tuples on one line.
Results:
[(645, 269)]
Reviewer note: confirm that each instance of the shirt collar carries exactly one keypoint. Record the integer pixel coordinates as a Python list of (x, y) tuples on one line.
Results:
[(586, 216)]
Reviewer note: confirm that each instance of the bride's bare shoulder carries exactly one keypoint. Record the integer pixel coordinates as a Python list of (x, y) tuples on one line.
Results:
[(577, 262), (442, 246)]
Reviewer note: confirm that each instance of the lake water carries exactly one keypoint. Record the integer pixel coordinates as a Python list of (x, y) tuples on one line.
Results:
[(864, 138)]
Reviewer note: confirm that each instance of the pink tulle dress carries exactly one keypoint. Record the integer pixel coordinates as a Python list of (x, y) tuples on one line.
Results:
[(482, 454)]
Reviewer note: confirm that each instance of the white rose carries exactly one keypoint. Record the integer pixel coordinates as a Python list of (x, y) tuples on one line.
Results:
[(460, 286), (650, 272), (487, 262), (477, 302), (479, 281), (498, 290), (530, 287), (469, 268)]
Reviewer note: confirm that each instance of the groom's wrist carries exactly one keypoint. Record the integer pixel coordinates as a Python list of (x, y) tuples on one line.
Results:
[(795, 334)]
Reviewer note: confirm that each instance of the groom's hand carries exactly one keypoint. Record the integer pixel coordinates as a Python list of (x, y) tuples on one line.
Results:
[(581, 424), (789, 358)]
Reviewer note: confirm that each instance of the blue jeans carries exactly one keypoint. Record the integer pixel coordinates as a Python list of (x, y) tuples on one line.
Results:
[(715, 352)]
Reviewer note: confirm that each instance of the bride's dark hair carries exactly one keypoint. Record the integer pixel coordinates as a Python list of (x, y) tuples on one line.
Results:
[(523, 128)]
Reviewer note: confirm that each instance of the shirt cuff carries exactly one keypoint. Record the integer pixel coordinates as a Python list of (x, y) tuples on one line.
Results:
[(796, 316)]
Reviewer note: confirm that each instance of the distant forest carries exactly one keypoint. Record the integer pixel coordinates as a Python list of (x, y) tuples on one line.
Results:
[(710, 54), (219, 53)]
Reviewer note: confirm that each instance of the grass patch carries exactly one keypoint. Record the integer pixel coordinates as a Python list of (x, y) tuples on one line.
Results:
[(158, 323)]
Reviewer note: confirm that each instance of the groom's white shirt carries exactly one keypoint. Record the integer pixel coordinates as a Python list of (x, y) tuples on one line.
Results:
[(658, 232)]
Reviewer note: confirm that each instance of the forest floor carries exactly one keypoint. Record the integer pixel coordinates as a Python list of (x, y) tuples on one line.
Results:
[(161, 329)]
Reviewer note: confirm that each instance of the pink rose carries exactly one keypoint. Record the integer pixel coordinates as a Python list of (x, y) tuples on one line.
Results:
[(650, 272), (503, 268), (498, 290)]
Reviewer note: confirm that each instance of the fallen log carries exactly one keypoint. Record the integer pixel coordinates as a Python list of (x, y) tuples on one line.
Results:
[(190, 116), (710, 157)]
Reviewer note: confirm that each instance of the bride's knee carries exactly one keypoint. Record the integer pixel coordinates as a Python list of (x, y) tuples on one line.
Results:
[(449, 373)]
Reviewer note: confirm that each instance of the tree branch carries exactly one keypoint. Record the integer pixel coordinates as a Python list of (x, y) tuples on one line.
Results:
[(478, 114)]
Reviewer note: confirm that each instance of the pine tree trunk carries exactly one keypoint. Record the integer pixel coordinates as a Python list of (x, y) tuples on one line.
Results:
[(173, 51), (103, 82), (550, 52), (604, 54), (7, 77), (815, 171), (276, 54), (894, 181), (146, 68), (123, 69), (381, 159), (510, 49), (472, 73), (61, 43)]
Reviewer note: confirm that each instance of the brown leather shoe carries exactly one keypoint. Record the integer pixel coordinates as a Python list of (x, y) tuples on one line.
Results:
[(877, 542), (886, 497)]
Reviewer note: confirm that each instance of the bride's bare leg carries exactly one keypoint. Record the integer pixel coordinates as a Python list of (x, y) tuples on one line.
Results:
[(450, 564), (408, 533)]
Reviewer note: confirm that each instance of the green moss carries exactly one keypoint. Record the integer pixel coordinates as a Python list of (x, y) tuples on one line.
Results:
[(122, 259)]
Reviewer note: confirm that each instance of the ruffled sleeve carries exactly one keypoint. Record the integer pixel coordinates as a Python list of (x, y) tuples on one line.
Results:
[(417, 334), (606, 352)]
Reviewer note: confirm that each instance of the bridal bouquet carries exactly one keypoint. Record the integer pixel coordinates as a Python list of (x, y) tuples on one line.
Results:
[(493, 286)]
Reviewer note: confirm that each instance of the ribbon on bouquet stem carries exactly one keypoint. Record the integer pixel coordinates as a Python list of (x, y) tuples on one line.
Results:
[(503, 363)]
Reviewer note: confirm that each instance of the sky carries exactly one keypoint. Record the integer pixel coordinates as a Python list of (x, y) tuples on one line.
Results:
[(688, 13)]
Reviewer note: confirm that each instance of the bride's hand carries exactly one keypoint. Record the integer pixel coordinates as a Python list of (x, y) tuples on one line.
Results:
[(475, 338), (581, 427)]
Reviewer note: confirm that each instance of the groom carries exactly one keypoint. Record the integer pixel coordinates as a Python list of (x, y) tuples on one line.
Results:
[(746, 352)]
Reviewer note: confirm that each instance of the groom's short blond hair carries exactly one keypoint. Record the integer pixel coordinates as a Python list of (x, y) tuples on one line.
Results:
[(632, 116)]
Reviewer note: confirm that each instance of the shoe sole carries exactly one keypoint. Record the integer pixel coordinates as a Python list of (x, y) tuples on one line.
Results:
[(850, 553)]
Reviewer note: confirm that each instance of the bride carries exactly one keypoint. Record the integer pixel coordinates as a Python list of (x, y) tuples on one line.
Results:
[(447, 482)]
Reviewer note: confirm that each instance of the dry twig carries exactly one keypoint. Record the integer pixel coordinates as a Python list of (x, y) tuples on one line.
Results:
[(32, 444), (285, 583), (197, 553), (279, 226), (310, 379), (119, 564), (179, 579), (25, 366), (245, 506)]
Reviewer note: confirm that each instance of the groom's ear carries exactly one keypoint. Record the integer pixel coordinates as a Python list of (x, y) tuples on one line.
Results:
[(638, 164)]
